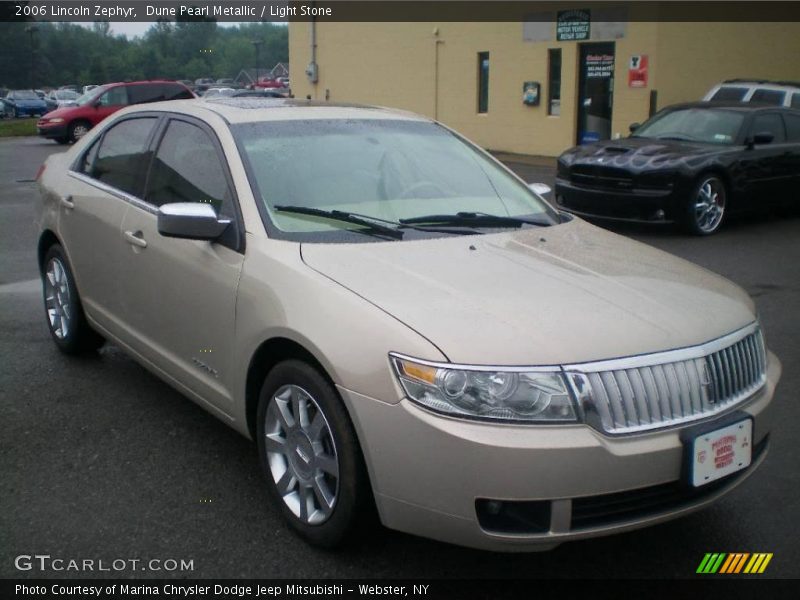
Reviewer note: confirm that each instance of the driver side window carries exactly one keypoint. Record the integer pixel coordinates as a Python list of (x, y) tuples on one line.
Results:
[(117, 96)]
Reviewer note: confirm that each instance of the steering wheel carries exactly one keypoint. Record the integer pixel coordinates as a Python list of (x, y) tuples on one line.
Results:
[(421, 185)]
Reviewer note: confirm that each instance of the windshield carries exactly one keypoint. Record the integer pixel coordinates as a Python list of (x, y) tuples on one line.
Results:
[(707, 125), (66, 95), (387, 170), (91, 95), (25, 95)]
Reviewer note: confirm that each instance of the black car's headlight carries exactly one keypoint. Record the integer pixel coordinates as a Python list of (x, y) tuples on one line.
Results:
[(657, 180), (499, 394)]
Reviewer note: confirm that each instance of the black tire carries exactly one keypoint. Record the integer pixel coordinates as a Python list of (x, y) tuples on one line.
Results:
[(353, 500), (77, 129), (701, 220), (76, 336)]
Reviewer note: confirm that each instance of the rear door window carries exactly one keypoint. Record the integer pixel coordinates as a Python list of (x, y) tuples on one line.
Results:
[(729, 94), (122, 157), (792, 127), (774, 97), (770, 123), (796, 100)]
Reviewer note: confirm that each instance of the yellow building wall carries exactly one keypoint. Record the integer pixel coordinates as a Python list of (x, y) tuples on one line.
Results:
[(432, 69)]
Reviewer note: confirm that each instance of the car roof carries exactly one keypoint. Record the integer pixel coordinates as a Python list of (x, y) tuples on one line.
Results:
[(761, 82), (250, 110), (730, 105)]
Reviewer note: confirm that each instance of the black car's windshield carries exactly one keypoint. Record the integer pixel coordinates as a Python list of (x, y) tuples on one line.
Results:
[(706, 125), (24, 95), (385, 169)]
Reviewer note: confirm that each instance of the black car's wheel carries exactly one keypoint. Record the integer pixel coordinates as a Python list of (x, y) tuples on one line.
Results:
[(78, 129), (310, 455), (706, 208), (65, 317)]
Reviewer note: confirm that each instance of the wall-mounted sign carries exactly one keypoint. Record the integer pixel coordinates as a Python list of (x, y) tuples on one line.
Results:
[(530, 93), (637, 71), (572, 25), (599, 66)]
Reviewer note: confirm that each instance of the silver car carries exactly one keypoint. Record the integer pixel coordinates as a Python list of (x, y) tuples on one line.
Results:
[(402, 324)]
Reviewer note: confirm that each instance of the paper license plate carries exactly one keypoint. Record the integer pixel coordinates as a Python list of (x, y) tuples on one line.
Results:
[(721, 452)]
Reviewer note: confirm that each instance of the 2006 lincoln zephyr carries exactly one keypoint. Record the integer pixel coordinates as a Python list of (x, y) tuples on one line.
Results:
[(399, 320)]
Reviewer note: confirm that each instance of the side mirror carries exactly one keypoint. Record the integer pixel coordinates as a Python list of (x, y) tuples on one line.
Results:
[(190, 220), (540, 188), (634, 126), (763, 137)]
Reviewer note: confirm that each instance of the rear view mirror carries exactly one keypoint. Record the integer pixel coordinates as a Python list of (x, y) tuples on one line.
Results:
[(763, 137), (634, 126), (540, 188), (190, 220)]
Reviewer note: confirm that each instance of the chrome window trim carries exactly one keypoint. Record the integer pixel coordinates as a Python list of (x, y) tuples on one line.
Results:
[(126, 197), (668, 356), (463, 367)]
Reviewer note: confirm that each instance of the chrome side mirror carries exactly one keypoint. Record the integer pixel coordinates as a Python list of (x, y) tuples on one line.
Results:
[(190, 220), (540, 188)]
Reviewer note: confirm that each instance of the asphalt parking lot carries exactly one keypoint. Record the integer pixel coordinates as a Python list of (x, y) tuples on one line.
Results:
[(99, 459)]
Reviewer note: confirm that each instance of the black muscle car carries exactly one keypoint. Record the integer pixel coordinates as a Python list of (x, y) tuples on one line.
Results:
[(690, 164)]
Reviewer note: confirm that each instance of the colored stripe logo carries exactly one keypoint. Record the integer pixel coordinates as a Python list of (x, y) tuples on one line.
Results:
[(734, 562)]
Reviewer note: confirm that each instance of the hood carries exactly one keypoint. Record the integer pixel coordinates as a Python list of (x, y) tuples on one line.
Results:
[(638, 153), (61, 111), (538, 296)]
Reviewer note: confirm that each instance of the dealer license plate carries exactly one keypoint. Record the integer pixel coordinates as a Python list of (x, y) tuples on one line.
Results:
[(721, 452)]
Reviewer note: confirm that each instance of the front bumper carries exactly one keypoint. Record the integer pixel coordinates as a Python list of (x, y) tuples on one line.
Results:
[(432, 475), (26, 111), (638, 205), (59, 130)]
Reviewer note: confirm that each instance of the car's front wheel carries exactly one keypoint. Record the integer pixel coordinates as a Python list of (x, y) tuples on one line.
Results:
[(78, 129), (310, 455), (706, 208), (65, 318)]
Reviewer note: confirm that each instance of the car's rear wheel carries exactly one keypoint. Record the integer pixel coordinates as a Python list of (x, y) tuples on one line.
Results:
[(310, 455), (65, 317), (707, 206), (78, 129)]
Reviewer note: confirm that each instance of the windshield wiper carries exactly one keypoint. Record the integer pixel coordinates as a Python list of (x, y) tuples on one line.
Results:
[(476, 219), (340, 215)]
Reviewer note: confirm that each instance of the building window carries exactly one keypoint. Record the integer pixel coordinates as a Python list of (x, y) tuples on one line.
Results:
[(554, 81), (483, 82)]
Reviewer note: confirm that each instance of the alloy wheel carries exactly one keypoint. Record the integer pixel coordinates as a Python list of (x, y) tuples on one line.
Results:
[(301, 454), (57, 298), (79, 131), (709, 205)]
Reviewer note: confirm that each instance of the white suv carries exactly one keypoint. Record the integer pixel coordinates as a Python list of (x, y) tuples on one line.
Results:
[(778, 93)]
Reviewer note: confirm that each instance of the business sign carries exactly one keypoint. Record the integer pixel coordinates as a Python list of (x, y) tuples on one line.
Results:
[(599, 66), (637, 71), (572, 25), (530, 93)]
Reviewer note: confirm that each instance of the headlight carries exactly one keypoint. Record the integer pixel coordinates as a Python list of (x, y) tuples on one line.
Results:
[(55, 120), (511, 394)]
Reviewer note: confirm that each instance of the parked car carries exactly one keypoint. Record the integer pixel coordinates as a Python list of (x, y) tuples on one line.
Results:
[(58, 98), (224, 82), (88, 88), (272, 93), (40, 93), (216, 92), (267, 83), (69, 124), (23, 103), (776, 93), (690, 164), (400, 322), (202, 84)]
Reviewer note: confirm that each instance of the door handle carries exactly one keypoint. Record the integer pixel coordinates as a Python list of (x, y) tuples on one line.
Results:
[(135, 238), (66, 202)]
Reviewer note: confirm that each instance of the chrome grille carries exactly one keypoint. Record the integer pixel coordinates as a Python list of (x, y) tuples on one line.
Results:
[(641, 393)]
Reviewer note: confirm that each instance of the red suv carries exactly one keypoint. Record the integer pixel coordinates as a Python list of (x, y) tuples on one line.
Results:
[(69, 124)]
